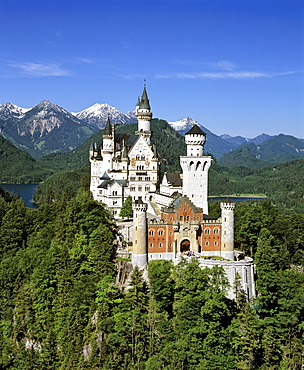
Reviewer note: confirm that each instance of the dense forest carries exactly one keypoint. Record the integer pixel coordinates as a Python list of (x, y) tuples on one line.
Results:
[(61, 309)]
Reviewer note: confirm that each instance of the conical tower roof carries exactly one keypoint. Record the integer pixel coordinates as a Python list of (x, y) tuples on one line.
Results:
[(108, 128), (195, 129), (144, 101)]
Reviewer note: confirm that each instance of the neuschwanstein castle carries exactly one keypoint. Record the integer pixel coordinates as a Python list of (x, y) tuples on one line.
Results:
[(170, 213)]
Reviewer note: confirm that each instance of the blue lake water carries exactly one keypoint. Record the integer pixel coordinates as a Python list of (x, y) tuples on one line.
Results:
[(26, 192)]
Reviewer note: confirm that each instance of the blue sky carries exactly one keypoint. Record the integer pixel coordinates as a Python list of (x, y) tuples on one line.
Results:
[(235, 66)]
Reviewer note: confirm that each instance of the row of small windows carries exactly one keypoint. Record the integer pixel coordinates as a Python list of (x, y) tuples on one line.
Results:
[(208, 231), (140, 188), (140, 178), (214, 243), (160, 245), (160, 232)]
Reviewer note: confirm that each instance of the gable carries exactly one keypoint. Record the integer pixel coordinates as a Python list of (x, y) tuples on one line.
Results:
[(140, 148)]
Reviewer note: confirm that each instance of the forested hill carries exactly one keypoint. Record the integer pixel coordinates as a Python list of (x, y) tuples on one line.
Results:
[(61, 309), (282, 183), (17, 166)]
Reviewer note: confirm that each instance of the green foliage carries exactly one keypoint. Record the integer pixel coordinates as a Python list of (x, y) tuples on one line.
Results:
[(126, 209), (17, 166)]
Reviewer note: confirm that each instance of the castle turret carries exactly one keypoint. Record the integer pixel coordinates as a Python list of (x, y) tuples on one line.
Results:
[(139, 253), (195, 168), (108, 145), (227, 243), (144, 115)]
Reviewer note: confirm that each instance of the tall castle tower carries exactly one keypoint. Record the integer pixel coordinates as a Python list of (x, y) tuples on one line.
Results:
[(195, 168), (144, 116), (227, 249), (108, 146), (139, 253)]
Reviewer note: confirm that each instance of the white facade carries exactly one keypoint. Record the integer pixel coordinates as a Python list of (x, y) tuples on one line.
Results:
[(195, 168), (125, 164)]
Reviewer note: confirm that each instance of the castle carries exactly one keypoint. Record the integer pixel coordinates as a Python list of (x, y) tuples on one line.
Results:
[(170, 215)]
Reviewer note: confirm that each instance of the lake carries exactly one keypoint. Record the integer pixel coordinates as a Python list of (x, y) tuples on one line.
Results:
[(26, 192)]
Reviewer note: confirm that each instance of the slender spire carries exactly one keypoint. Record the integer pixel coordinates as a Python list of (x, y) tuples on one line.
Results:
[(108, 128), (144, 101)]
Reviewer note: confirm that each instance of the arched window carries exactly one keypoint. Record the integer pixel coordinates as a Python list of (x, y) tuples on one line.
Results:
[(151, 232), (216, 231), (188, 218), (161, 232), (207, 244), (181, 218), (207, 231), (160, 245), (151, 245), (142, 157), (198, 166)]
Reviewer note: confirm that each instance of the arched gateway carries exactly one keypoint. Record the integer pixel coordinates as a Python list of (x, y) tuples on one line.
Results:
[(185, 245)]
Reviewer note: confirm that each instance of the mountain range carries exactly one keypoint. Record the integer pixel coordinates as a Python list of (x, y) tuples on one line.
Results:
[(48, 128), (43, 129)]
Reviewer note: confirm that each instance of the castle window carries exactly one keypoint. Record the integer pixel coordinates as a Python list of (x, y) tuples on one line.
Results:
[(100, 191), (207, 231), (147, 178), (142, 157), (160, 245), (139, 188), (140, 178), (114, 202), (137, 157), (188, 218), (161, 232), (147, 188), (132, 178), (132, 188), (171, 219), (151, 232), (216, 231), (114, 192), (181, 218), (215, 244), (207, 244), (151, 245), (225, 232), (170, 232)]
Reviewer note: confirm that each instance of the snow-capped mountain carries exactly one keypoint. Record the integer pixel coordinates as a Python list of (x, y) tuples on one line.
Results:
[(9, 110), (97, 115), (183, 125), (43, 129)]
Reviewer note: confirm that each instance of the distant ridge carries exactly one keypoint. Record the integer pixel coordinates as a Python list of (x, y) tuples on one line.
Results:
[(48, 128)]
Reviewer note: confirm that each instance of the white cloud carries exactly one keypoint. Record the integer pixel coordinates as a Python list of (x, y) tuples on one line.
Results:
[(39, 69), (131, 76), (225, 64), (86, 60), (222, 75)]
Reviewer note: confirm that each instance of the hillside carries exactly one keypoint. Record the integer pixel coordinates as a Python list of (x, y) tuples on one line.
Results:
[(242, 156), (17, 166), (278, 149), (282, 183)]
